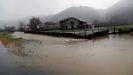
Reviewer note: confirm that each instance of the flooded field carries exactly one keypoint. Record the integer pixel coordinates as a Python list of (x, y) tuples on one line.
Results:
[(45, 55)]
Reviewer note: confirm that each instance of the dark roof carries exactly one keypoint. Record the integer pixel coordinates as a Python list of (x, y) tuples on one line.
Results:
[(71, 18)]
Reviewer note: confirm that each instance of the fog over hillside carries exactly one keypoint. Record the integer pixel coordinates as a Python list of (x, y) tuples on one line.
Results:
[(83, 13), (119, 12), (122, 11)]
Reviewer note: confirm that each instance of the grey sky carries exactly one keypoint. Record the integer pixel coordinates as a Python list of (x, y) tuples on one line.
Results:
[(16, 9)]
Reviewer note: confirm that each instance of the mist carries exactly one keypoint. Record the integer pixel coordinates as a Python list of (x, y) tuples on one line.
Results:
[(19, 9), (109, 11)]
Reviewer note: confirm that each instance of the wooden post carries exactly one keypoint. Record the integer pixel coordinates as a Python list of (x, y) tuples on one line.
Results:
[(92, 29), (85, 31)]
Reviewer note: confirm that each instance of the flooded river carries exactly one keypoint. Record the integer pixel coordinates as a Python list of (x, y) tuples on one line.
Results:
[(45, 55)]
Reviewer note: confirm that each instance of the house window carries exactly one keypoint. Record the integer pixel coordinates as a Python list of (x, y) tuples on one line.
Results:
[(72, 24)]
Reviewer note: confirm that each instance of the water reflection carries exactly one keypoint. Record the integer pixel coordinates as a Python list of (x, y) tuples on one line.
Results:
[(106, 55)]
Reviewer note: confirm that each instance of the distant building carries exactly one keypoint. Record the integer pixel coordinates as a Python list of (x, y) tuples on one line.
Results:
[(51, 25), (72, 23), (27, 28)]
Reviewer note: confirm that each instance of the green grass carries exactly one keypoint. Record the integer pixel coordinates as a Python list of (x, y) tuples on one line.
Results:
[(123, 27), (8, 39)]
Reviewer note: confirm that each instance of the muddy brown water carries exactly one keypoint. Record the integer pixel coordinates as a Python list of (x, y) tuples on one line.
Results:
[(106, 55)]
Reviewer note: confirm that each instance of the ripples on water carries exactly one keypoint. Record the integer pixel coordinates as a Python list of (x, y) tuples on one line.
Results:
[(106, 55)]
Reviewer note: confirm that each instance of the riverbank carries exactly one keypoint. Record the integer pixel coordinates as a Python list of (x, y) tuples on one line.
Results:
[(75, 33), (7, 39), (46, 38), (84, 34), (87, 33)]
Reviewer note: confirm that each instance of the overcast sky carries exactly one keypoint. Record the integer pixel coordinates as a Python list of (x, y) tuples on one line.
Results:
[(16, 9)]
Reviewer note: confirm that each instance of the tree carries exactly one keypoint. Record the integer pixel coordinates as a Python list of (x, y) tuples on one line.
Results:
[(96, 22), (1, 29), (10, 28), (117, 20), (21, 26), (35, 24)]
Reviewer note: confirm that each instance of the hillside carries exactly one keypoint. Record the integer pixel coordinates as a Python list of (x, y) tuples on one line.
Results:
[(121, 12), (83, 13)]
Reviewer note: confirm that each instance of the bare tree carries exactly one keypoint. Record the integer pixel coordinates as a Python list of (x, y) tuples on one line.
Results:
[(10, 28), (117, 20), (96, 22), (21, 26), (35, 24)]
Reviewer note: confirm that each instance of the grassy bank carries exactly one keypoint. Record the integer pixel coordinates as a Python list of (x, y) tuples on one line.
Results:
[(7, 39), (123, 27)]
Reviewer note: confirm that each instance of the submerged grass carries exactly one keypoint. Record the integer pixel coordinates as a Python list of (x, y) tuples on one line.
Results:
[(13, 45), (7, 39), (17, 46)]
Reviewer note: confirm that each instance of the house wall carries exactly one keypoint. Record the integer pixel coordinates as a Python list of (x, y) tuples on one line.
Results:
[(70, 24)]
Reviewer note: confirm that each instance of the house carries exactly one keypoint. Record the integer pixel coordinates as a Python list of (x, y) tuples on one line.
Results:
[(72, 23)]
